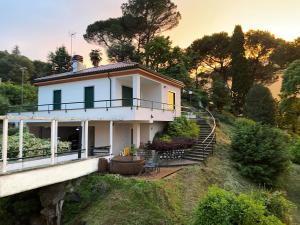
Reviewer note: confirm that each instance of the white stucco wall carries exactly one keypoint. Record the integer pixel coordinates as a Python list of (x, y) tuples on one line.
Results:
[(74, 92)]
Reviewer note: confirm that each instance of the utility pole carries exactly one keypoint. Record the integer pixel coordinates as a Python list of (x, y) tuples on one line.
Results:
[(23, 69)]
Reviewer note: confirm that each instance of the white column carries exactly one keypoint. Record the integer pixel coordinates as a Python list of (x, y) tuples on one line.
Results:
[(111, 133), (4, 145), (136, 135), (136, 89), (53, 141), (86, 138), (21, 126), (56, 137)]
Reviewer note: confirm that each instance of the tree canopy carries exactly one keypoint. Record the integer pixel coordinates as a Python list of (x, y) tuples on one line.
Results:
[(60, 60), (140, 22)]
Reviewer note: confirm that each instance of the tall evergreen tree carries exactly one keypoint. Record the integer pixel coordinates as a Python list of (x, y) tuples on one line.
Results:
[(241, 79), (60, 60), (260, 105)]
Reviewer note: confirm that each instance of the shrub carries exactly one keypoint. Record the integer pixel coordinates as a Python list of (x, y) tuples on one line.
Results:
[(181, 127), (295, 152), (260, 151), (32, 145), (220, 207), (174, 144), (276, 204)]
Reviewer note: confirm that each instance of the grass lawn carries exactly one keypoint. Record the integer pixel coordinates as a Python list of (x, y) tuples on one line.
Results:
[(116, 200)]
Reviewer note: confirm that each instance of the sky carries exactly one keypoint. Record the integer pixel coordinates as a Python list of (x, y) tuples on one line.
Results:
[(39, 26)]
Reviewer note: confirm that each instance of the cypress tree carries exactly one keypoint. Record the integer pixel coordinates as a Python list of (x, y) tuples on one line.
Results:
[(241, 79)]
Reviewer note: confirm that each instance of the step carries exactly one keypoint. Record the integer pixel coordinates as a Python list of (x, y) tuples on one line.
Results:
[(194, 159)]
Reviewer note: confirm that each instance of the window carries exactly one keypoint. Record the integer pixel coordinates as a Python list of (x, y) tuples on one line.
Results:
[(171, 100), (56, 99), (126, 96), (88, 97)]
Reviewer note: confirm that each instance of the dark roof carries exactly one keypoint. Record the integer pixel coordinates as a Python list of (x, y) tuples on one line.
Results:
[(120, 66)]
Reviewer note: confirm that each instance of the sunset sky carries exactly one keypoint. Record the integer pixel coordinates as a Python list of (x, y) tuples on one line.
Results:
[(38, 27)]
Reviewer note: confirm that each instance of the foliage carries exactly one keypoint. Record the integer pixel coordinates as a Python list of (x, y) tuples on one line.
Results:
[(291, 80), (140, 22), (181, 127), (95, 57), (260, 105), (260, 152), (60, 60), (166, 144), (10, 67), (290, 103), (241, 79), (32, 146), (226, 208), (122, 53), (18, 209), (259, 47), (276, 204), (4, 105), (11, 64), (12, 92), (160, 56), (295, 151), (211, 53), (220, 93)]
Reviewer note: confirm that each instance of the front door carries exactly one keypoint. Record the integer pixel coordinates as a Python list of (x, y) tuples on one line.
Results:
[(126, 96), (88, 97)]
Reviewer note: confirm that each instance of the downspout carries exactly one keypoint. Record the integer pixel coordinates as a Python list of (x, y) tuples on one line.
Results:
[(109, 89)]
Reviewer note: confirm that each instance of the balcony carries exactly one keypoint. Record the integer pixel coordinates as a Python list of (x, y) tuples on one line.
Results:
[(133, 109)]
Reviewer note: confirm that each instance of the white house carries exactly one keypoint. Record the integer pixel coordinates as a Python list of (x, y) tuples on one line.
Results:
[(121, 103)]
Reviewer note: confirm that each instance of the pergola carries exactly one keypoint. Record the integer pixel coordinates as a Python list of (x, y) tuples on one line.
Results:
[(54, 135)]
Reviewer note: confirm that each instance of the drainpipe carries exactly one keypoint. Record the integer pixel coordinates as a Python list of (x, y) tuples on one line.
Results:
[(109, 88)]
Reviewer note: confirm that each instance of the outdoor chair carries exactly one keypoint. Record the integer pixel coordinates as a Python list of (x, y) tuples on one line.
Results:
[(152, 165)]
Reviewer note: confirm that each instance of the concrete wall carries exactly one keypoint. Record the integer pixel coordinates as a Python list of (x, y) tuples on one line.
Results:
[(31, 179)]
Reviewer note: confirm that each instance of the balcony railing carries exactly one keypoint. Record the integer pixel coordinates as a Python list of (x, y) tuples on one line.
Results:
[(100, 104)]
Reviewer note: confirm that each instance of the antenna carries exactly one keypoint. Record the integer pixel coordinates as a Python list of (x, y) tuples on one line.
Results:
[(72, 34)]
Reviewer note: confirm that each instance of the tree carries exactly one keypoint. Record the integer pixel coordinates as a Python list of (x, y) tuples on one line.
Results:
[(40, 69), (12, 92), (16, 50), (259, 48), (60, 60), (140, 22), (260, 105), (4, 105), (220, 93), (211, 53), (95, 57), (290, 90), (157, 52), (10, 67), (241, 79), (261, 152), (122, 53)]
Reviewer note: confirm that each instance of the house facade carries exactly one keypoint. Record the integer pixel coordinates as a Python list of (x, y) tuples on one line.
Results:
[(122, 104)]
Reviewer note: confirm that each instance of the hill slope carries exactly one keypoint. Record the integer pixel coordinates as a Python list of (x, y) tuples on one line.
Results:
[(113, 200)]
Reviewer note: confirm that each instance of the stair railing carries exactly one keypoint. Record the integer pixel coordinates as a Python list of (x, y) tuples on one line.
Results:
[(212, 135), (203, 113)]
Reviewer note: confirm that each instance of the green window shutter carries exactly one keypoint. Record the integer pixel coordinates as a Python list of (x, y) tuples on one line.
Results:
[(126, 96), (57, 100), (89, 97)]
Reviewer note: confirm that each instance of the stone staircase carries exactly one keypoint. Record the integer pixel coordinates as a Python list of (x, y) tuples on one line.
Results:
[(205, 143)]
